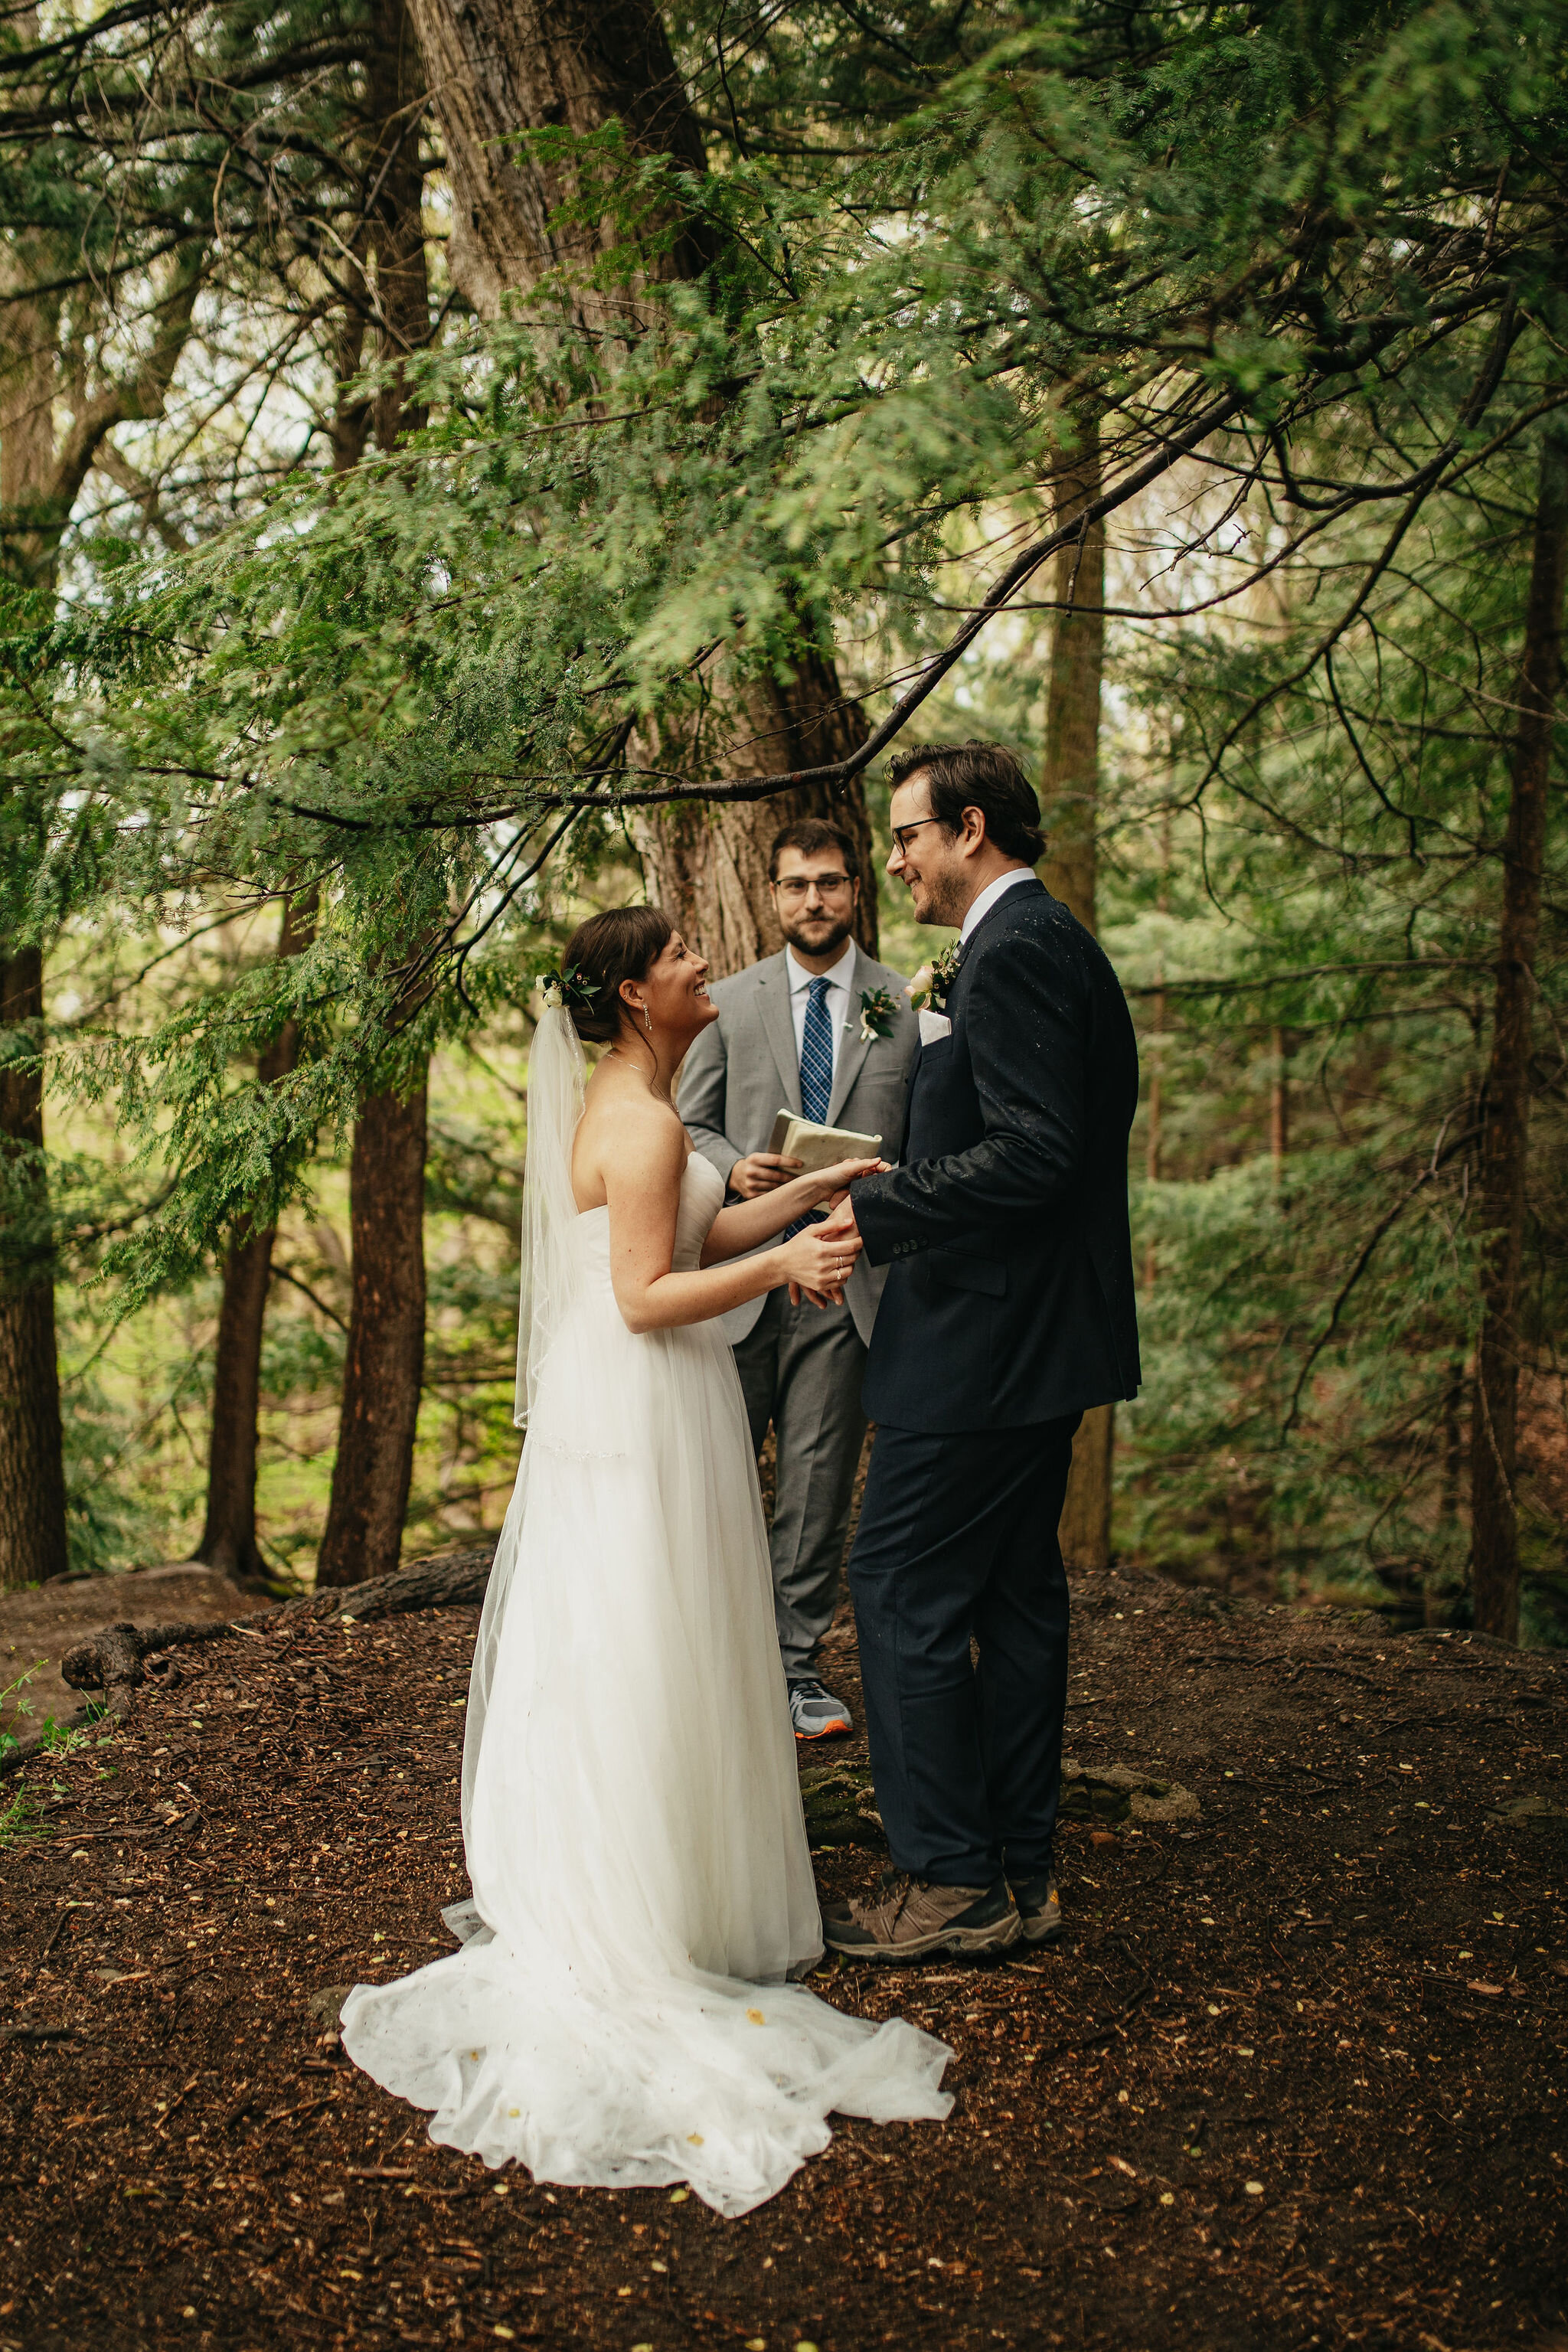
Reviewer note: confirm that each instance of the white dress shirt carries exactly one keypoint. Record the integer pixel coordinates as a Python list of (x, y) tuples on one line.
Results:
[(979, 907), (838, 977)]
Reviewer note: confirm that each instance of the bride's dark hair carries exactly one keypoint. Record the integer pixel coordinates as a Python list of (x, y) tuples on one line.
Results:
[(623, 943)]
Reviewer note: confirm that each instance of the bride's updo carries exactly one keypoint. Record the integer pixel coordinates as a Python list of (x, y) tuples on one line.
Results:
[(623, 943)]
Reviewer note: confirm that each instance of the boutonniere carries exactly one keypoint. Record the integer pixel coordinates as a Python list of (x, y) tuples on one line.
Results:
[(928, 989), (878, 1013)]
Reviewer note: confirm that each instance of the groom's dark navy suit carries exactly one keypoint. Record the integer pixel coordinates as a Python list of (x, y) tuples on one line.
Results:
[(1008, 1311)]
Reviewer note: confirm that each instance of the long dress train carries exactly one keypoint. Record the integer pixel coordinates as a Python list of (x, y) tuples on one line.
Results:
[(622, 2015)]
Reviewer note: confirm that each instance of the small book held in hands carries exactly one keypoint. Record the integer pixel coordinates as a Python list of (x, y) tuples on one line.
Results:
[(819, 1146)]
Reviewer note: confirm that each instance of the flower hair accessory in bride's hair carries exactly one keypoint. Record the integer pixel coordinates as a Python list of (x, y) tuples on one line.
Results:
[(565, 989), (623, 943)]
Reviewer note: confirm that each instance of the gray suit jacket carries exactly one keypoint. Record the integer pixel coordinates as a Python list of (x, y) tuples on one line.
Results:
[(745, 1069)]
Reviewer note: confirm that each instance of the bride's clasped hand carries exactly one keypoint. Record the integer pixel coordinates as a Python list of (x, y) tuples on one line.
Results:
[(627, 2009)]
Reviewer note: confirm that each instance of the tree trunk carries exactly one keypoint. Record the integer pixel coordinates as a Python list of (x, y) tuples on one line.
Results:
[(396, 95), (384, 1368), (1154, 1162), (228, 1536), (1156, 1137), (385, 1364), (707, 867), (1072, 704), (1494, 1517), (29, 374), (40, 371), (1072, 811), (388, 274), (1084, 1528), (32, 1465), (494, 67), (32, 1458), (497, 67)]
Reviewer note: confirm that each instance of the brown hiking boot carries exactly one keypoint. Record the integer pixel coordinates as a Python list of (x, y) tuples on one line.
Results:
[(917, 1918), (1040, 1907)]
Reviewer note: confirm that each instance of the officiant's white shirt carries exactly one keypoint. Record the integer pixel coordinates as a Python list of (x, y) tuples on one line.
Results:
[(838, 977), (979, 907)]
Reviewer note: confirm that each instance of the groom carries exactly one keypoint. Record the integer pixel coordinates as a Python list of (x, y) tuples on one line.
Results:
[(1008, 1311)]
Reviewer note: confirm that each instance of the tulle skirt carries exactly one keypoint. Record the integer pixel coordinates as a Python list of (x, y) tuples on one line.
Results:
[(622, 2013)]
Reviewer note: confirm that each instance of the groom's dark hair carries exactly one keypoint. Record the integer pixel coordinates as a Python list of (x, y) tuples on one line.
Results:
[(981, 776)]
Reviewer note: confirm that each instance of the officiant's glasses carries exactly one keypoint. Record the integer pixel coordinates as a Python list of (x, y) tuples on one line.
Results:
[(793, 887)]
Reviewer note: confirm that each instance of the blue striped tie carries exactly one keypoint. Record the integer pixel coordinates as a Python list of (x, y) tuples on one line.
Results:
[(817, 1055), (816, 1072)]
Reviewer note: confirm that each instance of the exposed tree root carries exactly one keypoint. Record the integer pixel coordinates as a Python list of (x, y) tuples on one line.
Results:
[(120, 1657)]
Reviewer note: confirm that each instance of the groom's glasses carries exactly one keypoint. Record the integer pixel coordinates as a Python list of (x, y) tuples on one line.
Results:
[(902, 832), (793, 888)]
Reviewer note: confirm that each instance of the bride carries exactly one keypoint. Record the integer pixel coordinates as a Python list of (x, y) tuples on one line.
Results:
[(622, 2013)]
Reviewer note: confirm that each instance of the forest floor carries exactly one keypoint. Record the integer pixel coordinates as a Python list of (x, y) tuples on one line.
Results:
[(1295, 2076), (40, 1624)]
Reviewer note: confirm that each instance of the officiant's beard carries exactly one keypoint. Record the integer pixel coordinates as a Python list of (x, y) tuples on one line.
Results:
[(825, 936)]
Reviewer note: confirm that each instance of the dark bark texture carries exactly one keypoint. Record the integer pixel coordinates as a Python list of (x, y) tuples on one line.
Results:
[(1071, 804), (1494, 1428), (32, 1465), (402, 291), (708, 867), (228, 1530), (494, 67), (386, 282), (386, 1364), (1071, 794), (497, 67), (228, 1534)]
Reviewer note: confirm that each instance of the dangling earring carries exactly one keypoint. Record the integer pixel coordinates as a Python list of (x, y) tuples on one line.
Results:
[(647, 1018)]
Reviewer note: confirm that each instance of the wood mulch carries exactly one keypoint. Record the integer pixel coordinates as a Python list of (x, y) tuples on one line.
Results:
[(1294, 2079), (40, 1624)]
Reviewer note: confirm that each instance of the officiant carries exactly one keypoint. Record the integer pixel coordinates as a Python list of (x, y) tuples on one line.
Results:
[(800, 1032)]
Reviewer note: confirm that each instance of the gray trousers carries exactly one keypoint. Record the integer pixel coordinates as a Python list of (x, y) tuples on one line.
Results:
[(800, 1369)]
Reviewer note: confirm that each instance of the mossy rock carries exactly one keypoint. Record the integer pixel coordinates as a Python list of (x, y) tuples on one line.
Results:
[(1530, 1813), (840, 1806), (840, 1801), (1118, 1793)]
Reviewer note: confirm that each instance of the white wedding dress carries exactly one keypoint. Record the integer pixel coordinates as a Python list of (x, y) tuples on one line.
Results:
[(620, 2015)]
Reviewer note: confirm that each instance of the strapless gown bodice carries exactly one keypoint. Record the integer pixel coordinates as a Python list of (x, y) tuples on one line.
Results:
[(701, 1198)]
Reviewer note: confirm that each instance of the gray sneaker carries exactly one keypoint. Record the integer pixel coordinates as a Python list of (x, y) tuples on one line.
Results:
[(815, 1712)]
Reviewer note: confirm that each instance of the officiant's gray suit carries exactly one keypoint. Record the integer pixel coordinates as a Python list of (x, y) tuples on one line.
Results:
[(800, 1367)]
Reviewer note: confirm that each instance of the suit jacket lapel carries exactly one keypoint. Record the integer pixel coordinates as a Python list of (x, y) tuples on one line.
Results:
[(850, 1048), (778, 1027)]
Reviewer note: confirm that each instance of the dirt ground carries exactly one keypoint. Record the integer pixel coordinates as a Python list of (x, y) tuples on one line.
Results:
[(1294, 2079), (39, 1625)]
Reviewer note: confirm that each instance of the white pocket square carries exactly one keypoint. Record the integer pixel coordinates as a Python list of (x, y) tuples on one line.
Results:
[(933, 1027)]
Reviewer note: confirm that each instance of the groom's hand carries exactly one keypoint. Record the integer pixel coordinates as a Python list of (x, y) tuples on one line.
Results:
[(839, 1226)]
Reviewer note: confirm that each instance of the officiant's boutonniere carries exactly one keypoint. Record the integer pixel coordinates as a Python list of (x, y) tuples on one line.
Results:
[(928, 989), (878, 1013)]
